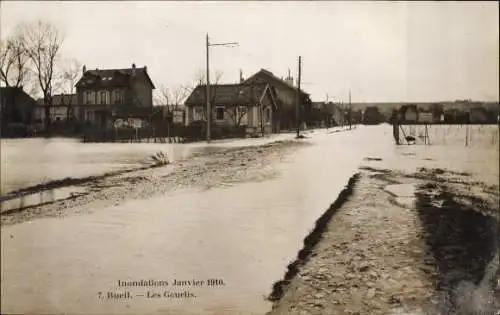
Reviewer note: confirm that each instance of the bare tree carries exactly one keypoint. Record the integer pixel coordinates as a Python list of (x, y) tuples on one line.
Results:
[(236, 113), (172, 99), (14, 61), (69, 73), (42, 42), (200, 77)]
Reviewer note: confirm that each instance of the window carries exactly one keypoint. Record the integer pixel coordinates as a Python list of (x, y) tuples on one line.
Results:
[(103, 97), (219, 113), (118, 97), (88, 97), (198, 114)]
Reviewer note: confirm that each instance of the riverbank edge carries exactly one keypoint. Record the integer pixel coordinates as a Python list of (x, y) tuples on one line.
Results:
[(311, 240)]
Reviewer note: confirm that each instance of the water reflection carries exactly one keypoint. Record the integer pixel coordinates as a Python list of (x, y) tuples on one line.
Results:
[(29, 162), (23, 201)]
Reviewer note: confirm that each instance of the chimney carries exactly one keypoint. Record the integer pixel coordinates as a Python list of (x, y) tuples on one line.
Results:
[(241, 76), (84, 69), (133, 69), (289, 79)]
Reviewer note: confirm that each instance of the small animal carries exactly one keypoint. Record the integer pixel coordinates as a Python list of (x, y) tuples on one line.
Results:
[(410, 139)]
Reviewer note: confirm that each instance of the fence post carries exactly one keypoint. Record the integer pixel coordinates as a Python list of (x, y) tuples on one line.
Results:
[(466, 135)]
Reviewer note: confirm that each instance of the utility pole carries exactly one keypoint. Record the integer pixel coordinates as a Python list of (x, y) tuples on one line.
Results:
[(298, 98), (350, 111), (209, 107)]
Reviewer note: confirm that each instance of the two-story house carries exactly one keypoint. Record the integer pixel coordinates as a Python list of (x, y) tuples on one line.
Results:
[(104, 95)]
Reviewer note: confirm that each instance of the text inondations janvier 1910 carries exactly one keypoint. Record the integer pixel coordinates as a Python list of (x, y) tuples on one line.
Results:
[(159, 289)]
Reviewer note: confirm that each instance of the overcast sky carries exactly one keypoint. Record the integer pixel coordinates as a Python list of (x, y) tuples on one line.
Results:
[(382, 51)]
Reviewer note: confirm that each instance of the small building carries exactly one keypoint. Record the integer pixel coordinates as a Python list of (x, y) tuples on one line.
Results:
[(409, 113), (235, 105), (372, 116), (62, 108), (285, 95), (478, 115), (17, 108), (426, 117)]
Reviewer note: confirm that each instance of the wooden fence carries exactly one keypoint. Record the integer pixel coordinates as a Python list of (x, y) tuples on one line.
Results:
[(166, 133)]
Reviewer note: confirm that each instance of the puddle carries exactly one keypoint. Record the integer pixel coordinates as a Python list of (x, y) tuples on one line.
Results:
[(372, 159), (42, 197), (404, 194), (401, 190), (405, 311)]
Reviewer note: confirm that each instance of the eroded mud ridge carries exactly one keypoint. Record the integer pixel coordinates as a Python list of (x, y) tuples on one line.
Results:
[(203, 171), (431, 249)]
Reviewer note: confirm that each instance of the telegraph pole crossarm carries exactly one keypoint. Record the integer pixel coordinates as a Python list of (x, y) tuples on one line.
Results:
[(209, 107)]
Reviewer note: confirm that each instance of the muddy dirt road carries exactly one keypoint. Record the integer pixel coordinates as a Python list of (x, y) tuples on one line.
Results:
[(402, 243)]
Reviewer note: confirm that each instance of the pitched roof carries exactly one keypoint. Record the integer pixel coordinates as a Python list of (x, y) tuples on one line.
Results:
[(60, 99), (274, 78), (15, 94), (112, 77), (227, 94)]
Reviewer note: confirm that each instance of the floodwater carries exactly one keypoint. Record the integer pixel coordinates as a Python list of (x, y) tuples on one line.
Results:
[(244, 236), (41, 197), (449, 149), (33, 161)]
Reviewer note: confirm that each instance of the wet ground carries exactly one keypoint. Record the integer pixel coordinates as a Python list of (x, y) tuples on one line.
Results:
[(419, 234), (237, 217)]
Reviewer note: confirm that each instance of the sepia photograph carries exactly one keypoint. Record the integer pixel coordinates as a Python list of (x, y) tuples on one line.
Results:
[(249, 157)]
